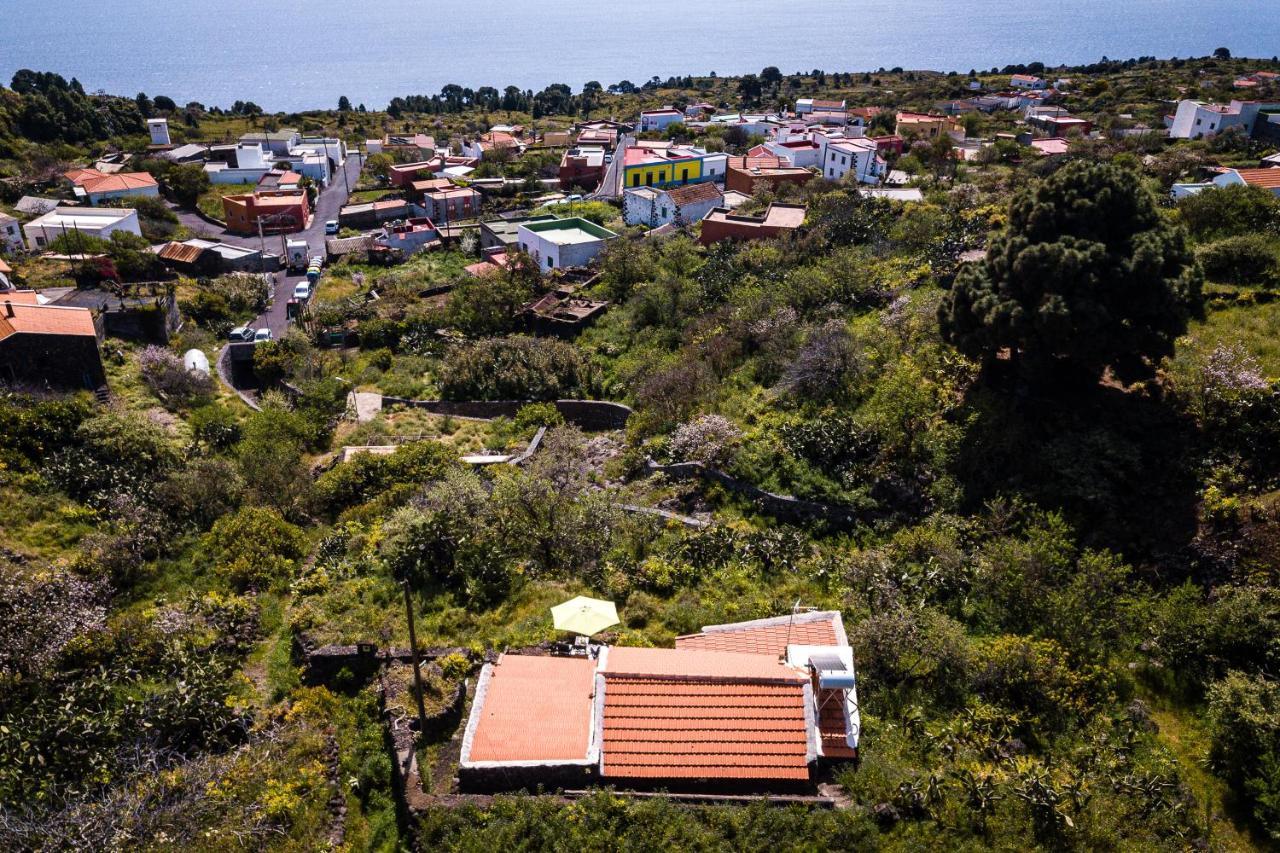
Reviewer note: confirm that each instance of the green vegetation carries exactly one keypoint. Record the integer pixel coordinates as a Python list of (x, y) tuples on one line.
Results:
[(1060, 465)]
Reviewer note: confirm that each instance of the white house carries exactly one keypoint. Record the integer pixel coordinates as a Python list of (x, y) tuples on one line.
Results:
[(654, 207), (100, 222), (560, 243), (660, 119), (805, 153), (252, 161), (1266, 178), (159, 129), (1198, 119), (278, 142), (1028, 81), (858, 156), (10, 234), (95, 187)]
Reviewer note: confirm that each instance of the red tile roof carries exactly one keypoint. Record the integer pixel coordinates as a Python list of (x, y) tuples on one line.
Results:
[(694, 193), (23, 318), (768, 636), (1269, 178), (119, 182), (663, 728), (535, 709)]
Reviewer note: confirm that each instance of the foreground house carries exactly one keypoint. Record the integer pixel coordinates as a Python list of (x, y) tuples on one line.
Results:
[(10, 234), (48, 345), (654, 207), (415, 235), (857, 156), (778, 220), (96, 187), (928, 126), (747, 707), (100, 222), (503, 233), (561, 243)]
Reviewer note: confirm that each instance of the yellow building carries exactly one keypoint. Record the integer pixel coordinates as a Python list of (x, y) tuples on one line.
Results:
[(926, 126), (646, 166)]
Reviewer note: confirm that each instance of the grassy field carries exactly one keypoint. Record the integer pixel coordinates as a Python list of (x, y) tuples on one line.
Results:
[(210, 203)]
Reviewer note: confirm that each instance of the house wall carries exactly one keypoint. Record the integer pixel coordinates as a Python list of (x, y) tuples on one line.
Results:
[(659, 122), (638, 210), (60, 361), (714, 230), (97, 198), (11, 237), (744, 182), (39, 236), (661, 174)]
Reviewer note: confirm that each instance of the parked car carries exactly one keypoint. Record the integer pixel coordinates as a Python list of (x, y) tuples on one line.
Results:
[(241, 334), (331, 227), (261, 335), (302, 290)]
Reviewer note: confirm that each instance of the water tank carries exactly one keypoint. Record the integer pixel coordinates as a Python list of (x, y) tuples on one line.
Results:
[(194, 359)]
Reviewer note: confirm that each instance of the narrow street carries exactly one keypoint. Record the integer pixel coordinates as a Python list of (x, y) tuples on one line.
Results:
[(328, 203)]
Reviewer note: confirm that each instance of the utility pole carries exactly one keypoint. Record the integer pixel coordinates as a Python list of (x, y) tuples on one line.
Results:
[(417, 665), (262, 247)]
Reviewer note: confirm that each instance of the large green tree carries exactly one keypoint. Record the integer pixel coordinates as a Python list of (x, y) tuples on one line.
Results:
[(1087, 276)]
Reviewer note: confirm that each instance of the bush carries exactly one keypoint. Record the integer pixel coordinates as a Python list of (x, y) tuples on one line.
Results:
[(536, 415), (254, 547), (711, 439), (366, 476), (1247, 259), (215, 426), (165, 374), (1231, 211), (514, 368), (1244, 717)]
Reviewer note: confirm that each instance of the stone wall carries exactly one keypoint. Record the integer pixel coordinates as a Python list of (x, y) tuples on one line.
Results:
[(585, 414), (782, 507)]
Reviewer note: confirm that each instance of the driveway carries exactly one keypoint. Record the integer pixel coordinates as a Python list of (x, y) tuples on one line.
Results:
[(328, 203)]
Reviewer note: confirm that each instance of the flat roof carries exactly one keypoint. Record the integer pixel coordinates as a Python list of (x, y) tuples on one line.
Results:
[(533, 709), (90, 218), (564, 232)]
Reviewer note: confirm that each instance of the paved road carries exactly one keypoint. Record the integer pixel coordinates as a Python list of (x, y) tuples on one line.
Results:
[(329, 202)]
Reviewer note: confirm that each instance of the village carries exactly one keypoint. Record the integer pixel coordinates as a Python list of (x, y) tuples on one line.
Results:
[(684, 445)]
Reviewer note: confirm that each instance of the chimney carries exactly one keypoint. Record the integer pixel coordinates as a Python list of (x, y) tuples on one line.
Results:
[(8, 308)]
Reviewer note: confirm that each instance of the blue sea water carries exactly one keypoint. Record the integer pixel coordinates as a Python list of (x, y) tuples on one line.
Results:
[(298, 54)]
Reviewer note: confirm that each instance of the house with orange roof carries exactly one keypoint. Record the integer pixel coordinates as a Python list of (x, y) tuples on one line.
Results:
[(654, 207), (928, 126), (1266, 178), (48, 345), (96, 187), (754, 706), (745, 173)]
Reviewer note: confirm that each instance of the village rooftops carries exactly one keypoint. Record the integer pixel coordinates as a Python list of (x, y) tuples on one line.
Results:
[(94, 181), (567, 232), (531, 710), (769, 637)]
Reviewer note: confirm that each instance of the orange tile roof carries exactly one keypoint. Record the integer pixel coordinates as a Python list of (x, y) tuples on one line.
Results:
[(694, 193), (767, 637), (79, 176), (535, 709), (19, 297), (831, 725), (121, 181), (661, 728), (23, 318), (1269, 178)]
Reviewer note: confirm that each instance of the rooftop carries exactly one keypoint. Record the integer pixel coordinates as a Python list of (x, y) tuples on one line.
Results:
[(777, 216), (21, 317), (769, 636), (565, 232), (694, 193), (89, 218), (533, 709), (638, 155), (1268, 178)]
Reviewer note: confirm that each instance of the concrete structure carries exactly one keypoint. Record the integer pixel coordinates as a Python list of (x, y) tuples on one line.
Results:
[(859, 157), (279, 143), (648, 164), (99, 222), (582, 167), (778, 220), (504, 233), (654, 207), (159, 130), (561, 243), (190, 153), (445, 201), (285, 211), (658, 120), (330, 147), (744, 173), (244, 163), (414, 235), (928, 126), (1198, 119), (805, 153), (411, 144), (48, 345), (10, 235), (751, 706), (1060, 125)]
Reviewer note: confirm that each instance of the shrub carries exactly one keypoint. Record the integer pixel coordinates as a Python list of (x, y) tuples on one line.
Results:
[(536, 415), (215, 426), (711, 439), (165, 374), (514, 368), (253, 547), (1231, 211), (1247, 259), (366, 476), (1244, 717)]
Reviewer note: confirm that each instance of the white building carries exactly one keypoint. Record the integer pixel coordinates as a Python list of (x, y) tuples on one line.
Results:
[(805, 153), (1198, 119), (560, 243), (858, 156), (10, 234), (159, 129), (654, 207), (252, 162), (100, 222), (331, 147), (1028, 81), (1268, 179), (804, 106), (660, 119)]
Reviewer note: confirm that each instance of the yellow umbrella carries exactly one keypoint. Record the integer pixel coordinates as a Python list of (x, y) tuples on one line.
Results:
[(584, 615)]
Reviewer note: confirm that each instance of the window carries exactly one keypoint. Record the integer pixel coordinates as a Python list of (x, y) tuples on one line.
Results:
[(664, 211), (648, 179), (635, 180), (40, 241), (844, 161), (684, 178), (1197, 122), (550, 263)]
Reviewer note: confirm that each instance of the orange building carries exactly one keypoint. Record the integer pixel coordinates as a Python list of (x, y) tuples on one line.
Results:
[(743, 173), (284, 211)]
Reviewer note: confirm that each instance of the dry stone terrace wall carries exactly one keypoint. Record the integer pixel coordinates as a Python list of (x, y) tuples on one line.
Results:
[(590, 415)]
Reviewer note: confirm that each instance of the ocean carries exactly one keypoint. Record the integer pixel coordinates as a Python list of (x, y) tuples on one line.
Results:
[(293, 55)]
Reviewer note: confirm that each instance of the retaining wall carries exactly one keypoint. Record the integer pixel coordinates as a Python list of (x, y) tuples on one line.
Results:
[(782, 507), (585, 414)]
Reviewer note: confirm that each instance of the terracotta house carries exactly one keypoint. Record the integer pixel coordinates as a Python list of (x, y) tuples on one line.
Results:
[(777, 221), (742, 173), (284, 211), (48, 345)]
